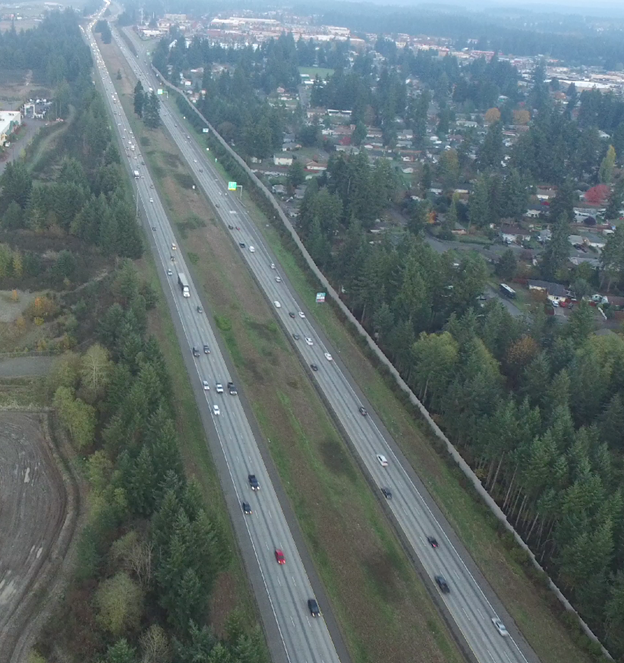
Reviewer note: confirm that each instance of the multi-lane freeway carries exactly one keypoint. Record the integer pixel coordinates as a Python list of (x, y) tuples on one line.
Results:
[(470, 602), (303, 638)]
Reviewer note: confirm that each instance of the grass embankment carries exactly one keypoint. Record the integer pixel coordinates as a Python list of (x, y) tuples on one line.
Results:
[(384, 611)]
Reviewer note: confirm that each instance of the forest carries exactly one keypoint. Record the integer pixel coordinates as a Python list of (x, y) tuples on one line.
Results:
[(151, 550)]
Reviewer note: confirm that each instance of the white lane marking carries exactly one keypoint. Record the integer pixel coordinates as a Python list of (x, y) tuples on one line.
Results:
[(480, 614), (292, 620), (267, 545), (294, 581), (466, 613)]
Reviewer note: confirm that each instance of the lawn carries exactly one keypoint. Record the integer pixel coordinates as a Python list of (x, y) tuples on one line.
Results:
[(383, 609)]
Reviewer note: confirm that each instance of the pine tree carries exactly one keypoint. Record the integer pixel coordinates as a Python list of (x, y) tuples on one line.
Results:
[(139, 99)]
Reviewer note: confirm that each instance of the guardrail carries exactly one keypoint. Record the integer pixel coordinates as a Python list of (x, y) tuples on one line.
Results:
[(381, 357)]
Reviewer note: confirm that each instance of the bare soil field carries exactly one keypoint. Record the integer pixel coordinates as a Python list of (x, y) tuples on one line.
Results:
[(38, 511)]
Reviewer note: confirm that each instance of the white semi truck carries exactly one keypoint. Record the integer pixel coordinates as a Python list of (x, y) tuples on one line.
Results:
[(184, 285)]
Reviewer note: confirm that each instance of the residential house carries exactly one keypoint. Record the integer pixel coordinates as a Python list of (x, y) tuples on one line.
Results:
[(512, 234), (9, 121), (555, 292), (283, 159)]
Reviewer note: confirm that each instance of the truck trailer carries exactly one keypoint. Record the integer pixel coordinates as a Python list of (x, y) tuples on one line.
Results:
[(184, 285)]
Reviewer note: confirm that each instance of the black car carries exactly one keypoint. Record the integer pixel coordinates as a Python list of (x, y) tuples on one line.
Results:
[(253, 482), (242, 245), (362, 411), (154, 228), (296, 337), (313, 608), (200, 309), (195, 352), (442, 584), (230, 227), (231, 389), (314, 367), (387, 493), (246, 509), (291, 314), (206, 349), (432, 541)]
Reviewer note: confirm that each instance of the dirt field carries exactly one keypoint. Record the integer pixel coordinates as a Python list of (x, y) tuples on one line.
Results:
[(37, 519)]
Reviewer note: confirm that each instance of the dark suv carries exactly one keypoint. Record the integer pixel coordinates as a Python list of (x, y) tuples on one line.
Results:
[(195, 352), (253, 482), (231, 389), (313, 608), (442, 584)]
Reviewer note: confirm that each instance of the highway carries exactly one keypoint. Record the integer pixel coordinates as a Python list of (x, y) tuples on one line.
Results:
[(304, 638), (470, 600)]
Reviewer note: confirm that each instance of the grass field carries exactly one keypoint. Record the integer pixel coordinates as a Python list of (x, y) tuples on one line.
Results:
[(384, 610)]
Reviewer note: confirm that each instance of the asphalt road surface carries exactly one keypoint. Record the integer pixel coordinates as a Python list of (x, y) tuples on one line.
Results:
[(302, 638), (470, 602)]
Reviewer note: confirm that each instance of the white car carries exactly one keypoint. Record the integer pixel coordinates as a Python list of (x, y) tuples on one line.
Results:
[(382, 460), (219, 388), (277, 304), (195, 160), (252, 249), (169, 272), (216, 410), (151, 199), (500, 627), (328, 356), (301, 314), (272, 265), (174, 247), (309, 341), (206, 385), (278, 279)]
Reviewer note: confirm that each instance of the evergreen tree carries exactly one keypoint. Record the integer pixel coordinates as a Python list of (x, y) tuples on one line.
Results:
[(557, 251), (139, 99), (151, 110)]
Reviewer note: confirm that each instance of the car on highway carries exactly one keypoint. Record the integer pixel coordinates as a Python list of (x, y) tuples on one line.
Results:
[(277, 304), (246, 509), (291, 314), (252, 249), (296, 337), (200, 309), (195, 352), (242, 245), (231, 389), (170, 272), (383, 461), (314, 367), (309, 341), (194, 160), (151, 186), (219, 206), (173, 246), (215, 410), (279, 556), (432, 541), (154, 228), (387, 493), (205, 385), (151, 199), (500, 627), (442, 584), (253, 482), (278, 279), (206, 349), (219, 388), (328, 356), (313, 608), (362, 411), (301, 314), (230, 227), (272, 265)]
